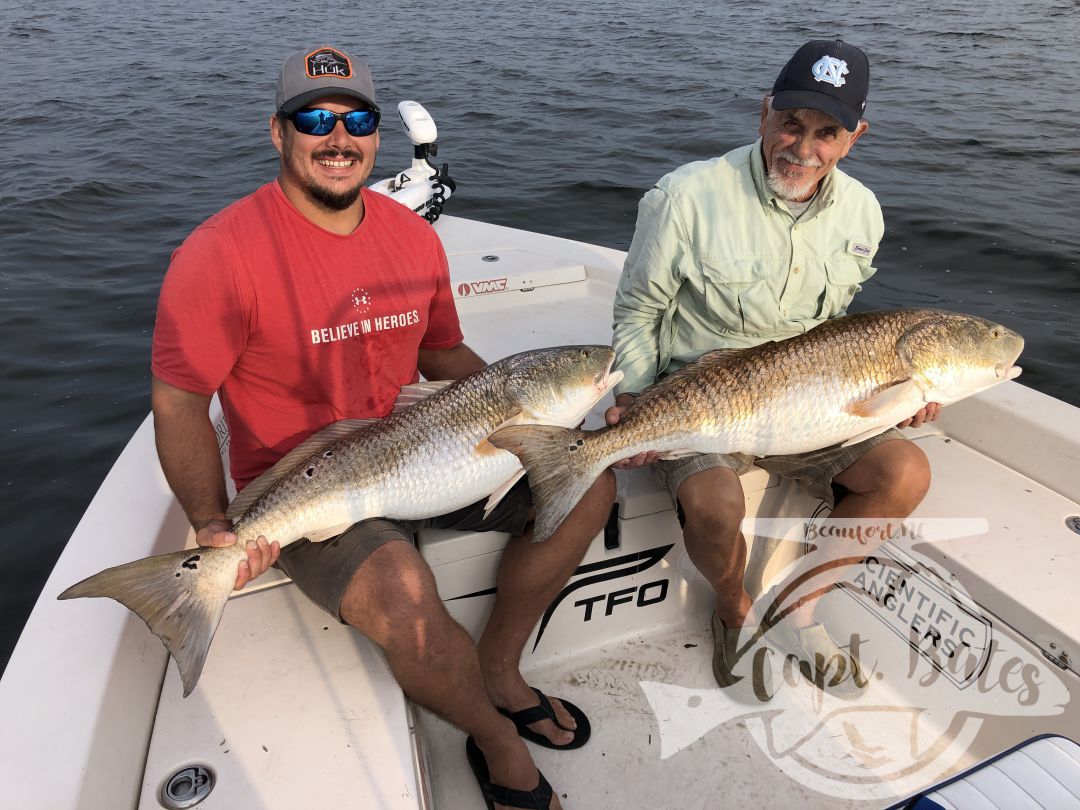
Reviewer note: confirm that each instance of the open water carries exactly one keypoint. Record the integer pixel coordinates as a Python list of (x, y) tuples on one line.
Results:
[(126, 124)]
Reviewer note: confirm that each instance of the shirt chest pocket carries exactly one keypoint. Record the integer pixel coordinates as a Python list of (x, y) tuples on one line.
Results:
[(844, 275), (740, 294)]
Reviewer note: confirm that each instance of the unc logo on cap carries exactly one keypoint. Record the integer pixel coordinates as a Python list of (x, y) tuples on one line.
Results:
[(326, 62), (830, 69)]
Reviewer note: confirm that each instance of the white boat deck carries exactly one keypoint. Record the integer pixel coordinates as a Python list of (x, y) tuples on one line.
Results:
[(256, 718), (1024, 568), (296, 711)]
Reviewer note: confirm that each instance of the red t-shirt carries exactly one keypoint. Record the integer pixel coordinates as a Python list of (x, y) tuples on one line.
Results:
[(298, 327)]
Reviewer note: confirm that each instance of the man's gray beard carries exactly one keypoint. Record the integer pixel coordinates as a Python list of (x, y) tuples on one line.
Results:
[(785, 189)]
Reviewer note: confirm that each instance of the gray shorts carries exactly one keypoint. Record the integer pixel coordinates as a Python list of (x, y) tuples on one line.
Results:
[(814, 470), (324, 570)]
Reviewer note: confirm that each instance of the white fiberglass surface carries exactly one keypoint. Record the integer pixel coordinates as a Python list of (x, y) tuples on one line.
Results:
[(1024, 563), (633, 649), (795, 752), (497, 326), (293, 710)]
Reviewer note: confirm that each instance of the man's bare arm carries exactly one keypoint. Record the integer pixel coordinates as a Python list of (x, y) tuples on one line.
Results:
[(448, 364), (188, 450)]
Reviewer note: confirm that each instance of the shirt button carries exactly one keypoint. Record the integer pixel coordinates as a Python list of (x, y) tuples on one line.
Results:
[(796, 270)]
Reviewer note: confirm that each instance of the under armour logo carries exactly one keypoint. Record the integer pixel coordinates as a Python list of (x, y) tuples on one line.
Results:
[(830, 69)]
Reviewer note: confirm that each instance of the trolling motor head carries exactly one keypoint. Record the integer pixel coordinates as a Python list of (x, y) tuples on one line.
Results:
[(420, 128), (423, 187)]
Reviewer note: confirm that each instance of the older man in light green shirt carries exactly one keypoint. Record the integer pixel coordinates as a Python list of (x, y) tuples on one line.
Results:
[(763, 243), (719, 260)]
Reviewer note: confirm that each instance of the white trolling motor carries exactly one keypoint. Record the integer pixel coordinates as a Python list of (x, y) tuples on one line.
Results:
[(422, 187)]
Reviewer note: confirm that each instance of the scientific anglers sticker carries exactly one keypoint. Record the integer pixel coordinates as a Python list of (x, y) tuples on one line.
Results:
[(326, 62), (933, 675)]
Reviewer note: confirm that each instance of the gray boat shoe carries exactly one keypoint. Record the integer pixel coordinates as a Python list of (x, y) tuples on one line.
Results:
[(821, 660), (725, 659)]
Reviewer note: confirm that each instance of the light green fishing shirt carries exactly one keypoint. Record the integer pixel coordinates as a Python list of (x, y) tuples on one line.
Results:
[(718, 261)]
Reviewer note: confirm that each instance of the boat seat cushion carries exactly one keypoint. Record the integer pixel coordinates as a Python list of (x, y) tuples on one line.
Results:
[(1042, 772)]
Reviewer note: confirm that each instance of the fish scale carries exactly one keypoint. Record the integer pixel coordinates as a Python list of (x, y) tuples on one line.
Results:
[(738, 396), (848, 379), (425, 460), (394, 467)]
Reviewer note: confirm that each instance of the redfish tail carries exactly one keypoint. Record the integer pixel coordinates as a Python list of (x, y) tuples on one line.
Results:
[(560, 473), (180, 596)]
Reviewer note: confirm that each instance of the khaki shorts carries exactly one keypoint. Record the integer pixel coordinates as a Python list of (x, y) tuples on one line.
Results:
[(814, 470), (324, 570)]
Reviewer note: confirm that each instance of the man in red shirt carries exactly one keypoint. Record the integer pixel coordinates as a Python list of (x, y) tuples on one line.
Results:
[(270, 303)]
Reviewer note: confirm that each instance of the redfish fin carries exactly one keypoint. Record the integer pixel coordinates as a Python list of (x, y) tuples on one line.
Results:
[(884, 400), (409, 395), (500, 493), (325, 534), (862, 437), (486, 448), (516, 418), (559, 475), (180, 596), (671, 455)]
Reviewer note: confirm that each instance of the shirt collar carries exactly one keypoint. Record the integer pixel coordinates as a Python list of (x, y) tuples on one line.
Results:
[(769, 201)]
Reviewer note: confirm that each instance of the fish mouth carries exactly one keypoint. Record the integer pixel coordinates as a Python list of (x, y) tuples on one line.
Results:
[(607, 379), (1007, 371)]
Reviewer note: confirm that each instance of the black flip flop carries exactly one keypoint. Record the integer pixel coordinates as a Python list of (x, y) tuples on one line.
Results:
[(539, 798), (545, 711)]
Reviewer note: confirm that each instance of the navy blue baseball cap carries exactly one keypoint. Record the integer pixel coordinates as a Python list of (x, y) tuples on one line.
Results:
[(828, 75)]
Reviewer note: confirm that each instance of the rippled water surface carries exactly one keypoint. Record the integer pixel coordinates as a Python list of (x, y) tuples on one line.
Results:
[(126, 124)]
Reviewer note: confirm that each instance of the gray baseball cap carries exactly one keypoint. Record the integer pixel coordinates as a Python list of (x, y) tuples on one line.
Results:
[(323, 71)]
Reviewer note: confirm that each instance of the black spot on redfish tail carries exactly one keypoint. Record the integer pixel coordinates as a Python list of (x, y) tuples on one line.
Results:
[(180, 596), (559, 473)]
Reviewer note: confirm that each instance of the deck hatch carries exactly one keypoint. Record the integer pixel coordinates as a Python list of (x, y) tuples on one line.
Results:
[(187, 787)]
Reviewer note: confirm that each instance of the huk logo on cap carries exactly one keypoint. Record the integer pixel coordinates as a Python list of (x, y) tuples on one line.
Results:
[(328, 63), (830, 69)]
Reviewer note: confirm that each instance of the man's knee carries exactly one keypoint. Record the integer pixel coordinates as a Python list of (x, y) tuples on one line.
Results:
[(719, 523), (393, 600), (713, 505), (898, 470)]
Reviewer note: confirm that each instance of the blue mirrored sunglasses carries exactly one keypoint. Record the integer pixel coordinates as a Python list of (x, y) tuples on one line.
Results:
[(317, 121)]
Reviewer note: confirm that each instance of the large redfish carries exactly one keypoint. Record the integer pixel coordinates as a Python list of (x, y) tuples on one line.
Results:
[(849, 379), (426, 459)]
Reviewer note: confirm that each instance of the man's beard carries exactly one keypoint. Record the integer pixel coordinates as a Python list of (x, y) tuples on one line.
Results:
[(329, 198), (785, 187), (333, 199)]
